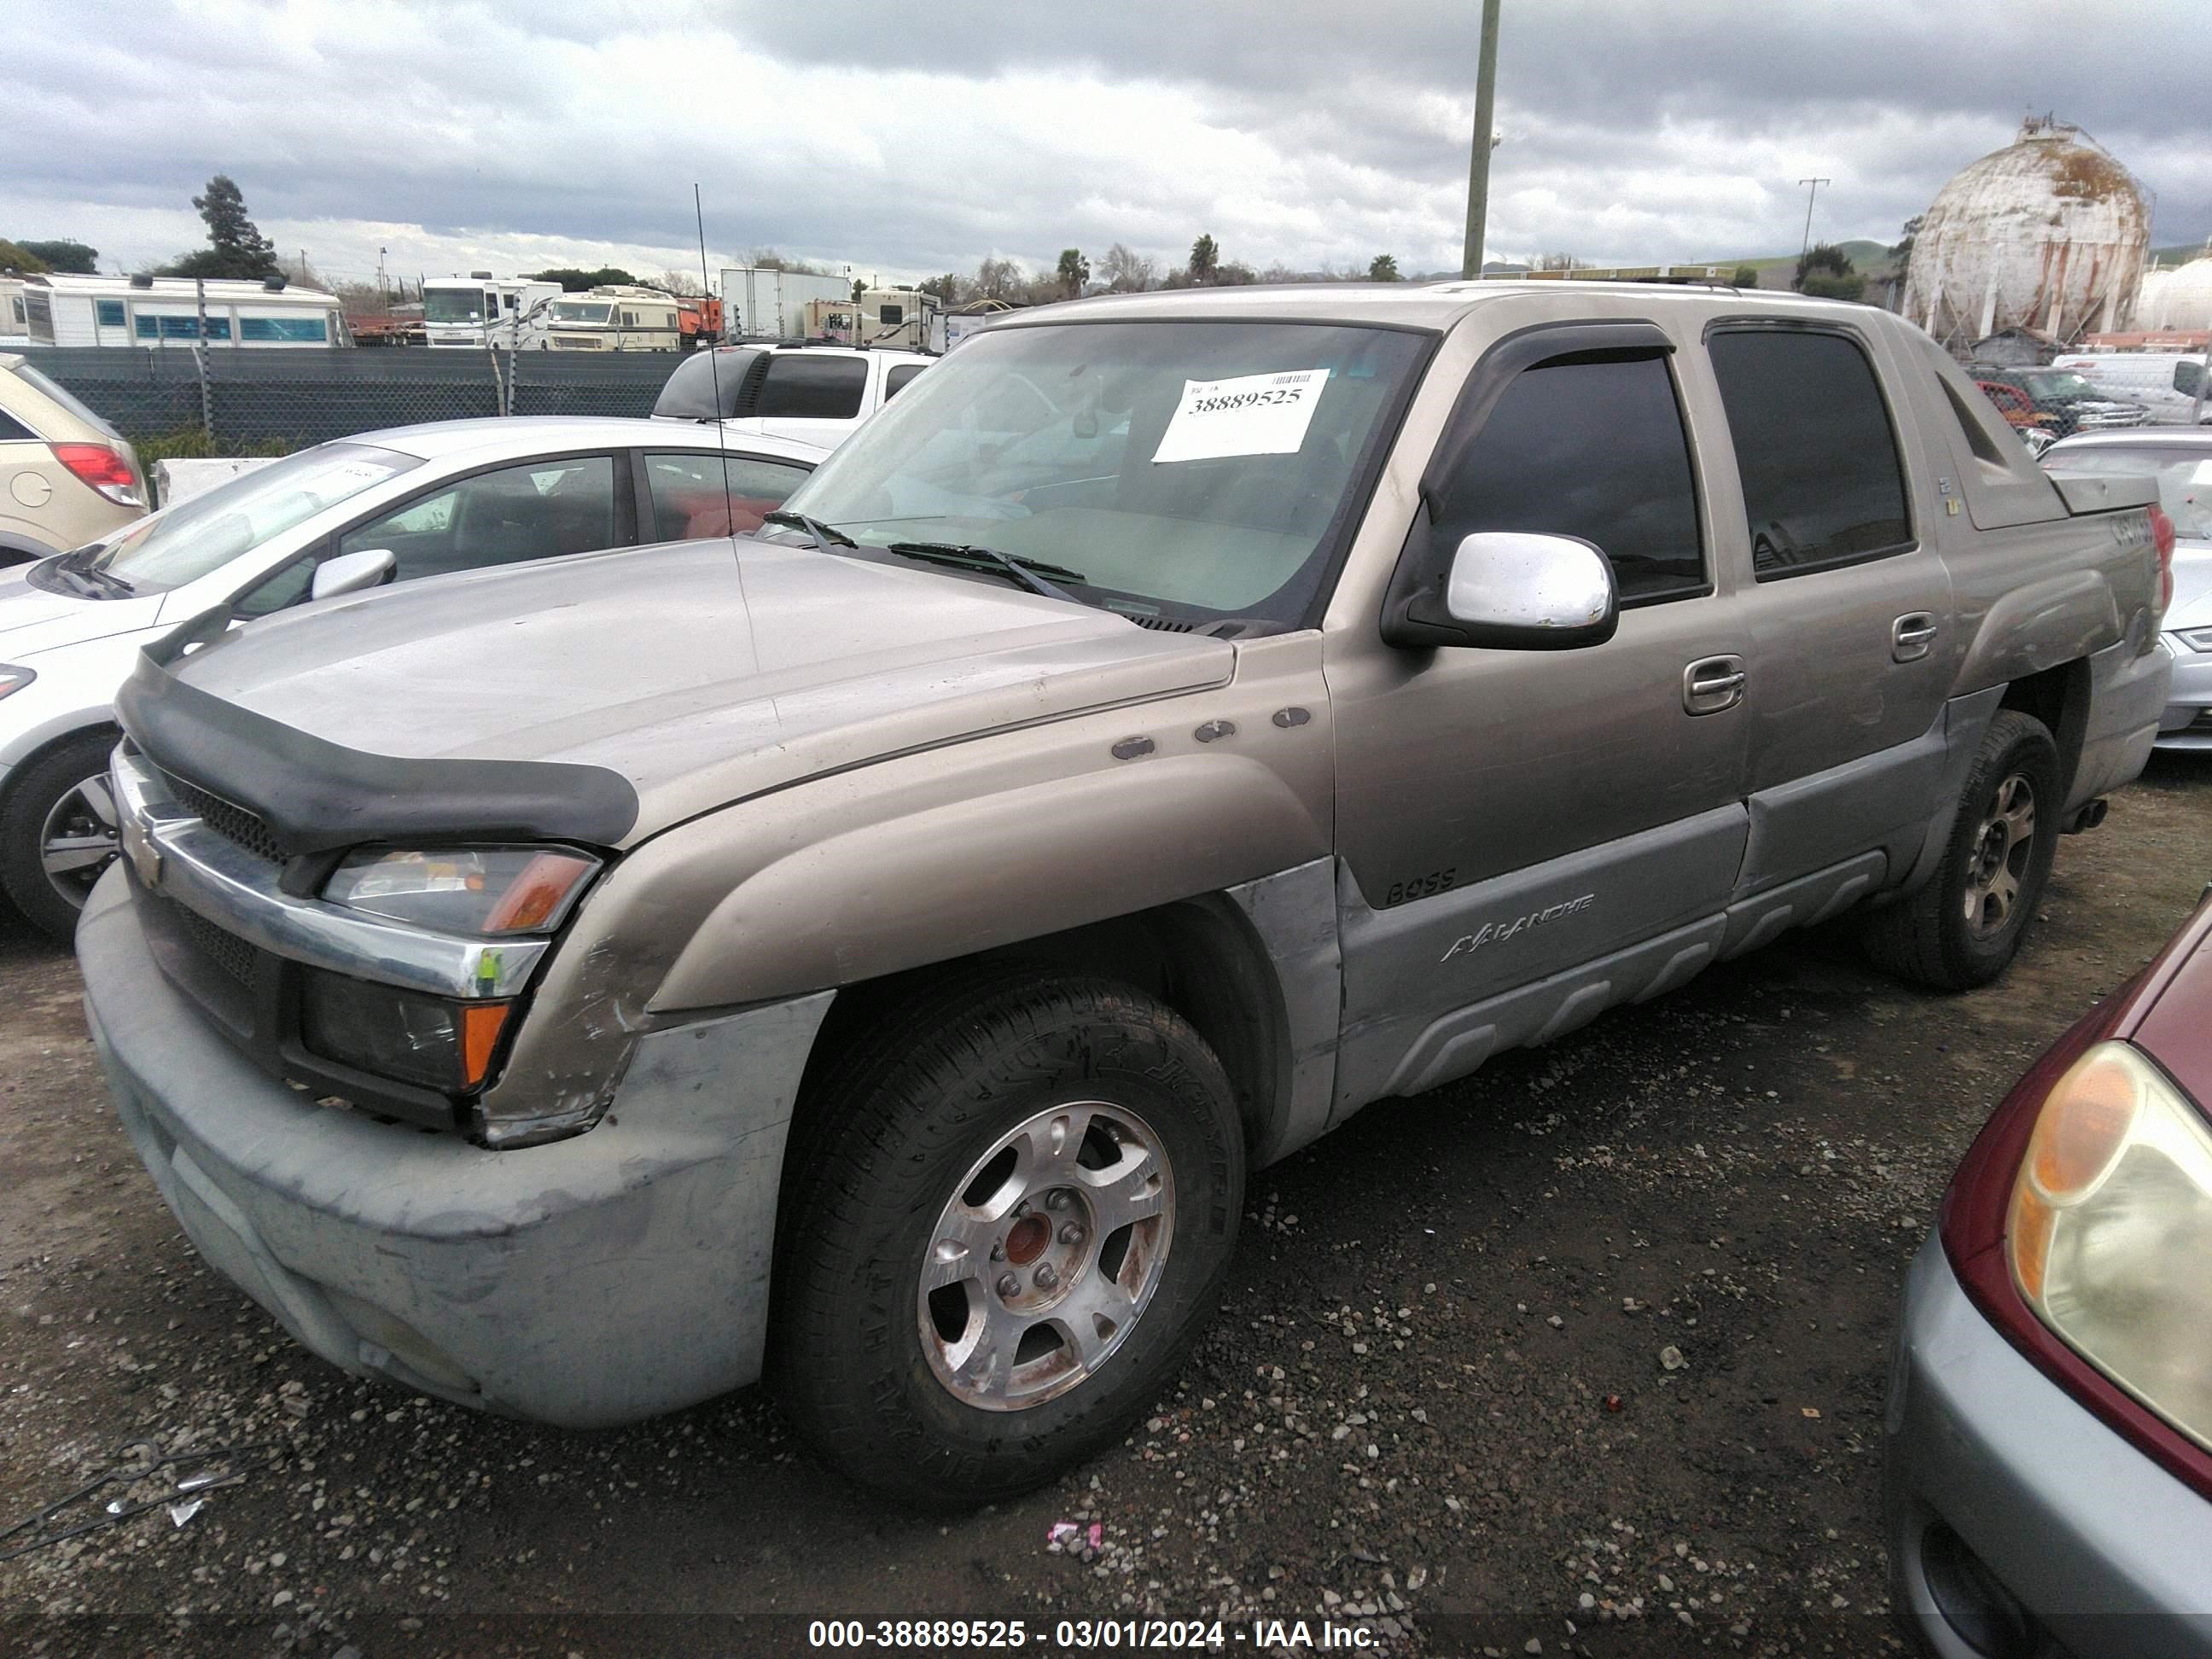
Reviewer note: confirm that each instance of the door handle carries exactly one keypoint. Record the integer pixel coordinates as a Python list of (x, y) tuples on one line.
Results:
[(1911, 636), (1712, 683)]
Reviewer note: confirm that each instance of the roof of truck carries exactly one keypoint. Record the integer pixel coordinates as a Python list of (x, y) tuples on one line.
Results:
[(1406, 305)]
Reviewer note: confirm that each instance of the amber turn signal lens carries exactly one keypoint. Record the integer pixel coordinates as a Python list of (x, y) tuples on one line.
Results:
[(2082, 1124), (2027, 1233), (536, 895), (481, 1025)]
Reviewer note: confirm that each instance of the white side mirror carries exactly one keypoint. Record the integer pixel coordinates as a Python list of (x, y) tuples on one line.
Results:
[(350, 573)]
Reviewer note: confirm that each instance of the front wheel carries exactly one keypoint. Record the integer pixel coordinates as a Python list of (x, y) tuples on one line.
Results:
[(1011, 1210), (58, 833), (1963, 928)]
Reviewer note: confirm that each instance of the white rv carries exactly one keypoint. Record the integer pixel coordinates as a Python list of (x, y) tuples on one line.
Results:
[(64, 310), (479, 309), (14, 322), (622, 317)]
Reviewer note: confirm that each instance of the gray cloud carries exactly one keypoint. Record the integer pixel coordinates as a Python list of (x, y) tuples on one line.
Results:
[(1298, 130)]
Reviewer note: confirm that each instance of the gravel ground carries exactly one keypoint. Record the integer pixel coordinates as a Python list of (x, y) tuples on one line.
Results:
[(1441, 1403)]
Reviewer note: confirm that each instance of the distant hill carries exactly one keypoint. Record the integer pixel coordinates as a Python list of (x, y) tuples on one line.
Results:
[(1871, 258), (2180, 254)]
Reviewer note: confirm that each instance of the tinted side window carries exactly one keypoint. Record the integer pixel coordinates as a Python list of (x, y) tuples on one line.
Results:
[(802, 387), (534, 511), (894, 382), (1590, 446), (698, 493), (12, 431), (1821, 482)]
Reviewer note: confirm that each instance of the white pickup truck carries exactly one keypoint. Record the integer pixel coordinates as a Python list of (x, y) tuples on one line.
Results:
[(816, 394)]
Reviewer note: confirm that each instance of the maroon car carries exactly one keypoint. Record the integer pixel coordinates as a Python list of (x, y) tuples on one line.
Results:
[(2048, 1425)]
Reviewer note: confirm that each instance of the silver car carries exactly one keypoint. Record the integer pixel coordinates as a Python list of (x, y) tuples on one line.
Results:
[(454, 496), (2182, 462)]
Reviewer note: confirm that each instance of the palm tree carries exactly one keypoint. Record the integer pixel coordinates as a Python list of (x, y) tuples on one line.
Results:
[(1075, 272), (1205, 259), (1383, 268)]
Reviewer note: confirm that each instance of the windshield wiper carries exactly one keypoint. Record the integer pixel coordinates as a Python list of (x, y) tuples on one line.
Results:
[(91, 577), (1029, 572), (824, 534)]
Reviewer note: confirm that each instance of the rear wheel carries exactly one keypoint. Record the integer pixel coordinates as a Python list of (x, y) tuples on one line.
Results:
[(1008, 1217), (57, 832), (1964, 928)]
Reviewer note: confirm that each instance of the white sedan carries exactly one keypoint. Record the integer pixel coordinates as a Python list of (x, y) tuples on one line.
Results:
[(392, 506)]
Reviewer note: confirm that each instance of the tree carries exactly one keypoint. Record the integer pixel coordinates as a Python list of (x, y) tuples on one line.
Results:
[(673, 281), (1075, 271), (767, 259), (574, 280), (997, 279), (1560, 262), (1205, 259), (65, 254), (1746, 277), (14, 256), (236, 248), (948, 288), (1383, 268), (1900, 254), (1126, 270), (1234, 274), (1827, 272)]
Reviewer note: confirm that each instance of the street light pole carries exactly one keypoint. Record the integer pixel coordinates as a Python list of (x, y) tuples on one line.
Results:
[(1478, 161), (1806, 246)]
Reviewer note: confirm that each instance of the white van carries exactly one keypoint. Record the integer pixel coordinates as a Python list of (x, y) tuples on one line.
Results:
[(2164, 382)]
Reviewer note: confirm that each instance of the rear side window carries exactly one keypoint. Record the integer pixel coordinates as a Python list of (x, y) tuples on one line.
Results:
[(1591, 445), (894, 382), (1821, 482), (802, 387), (12, 431), (699, 492)]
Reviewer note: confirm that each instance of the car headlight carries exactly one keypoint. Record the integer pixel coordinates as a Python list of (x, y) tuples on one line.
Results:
[(2110, 1227), (14, 679), (483, 891), (2196, 639)]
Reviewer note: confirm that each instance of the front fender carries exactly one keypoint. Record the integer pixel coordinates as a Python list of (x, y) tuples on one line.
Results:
[(971, 875)]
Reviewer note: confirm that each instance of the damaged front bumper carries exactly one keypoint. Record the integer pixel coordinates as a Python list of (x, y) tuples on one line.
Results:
[(594, 1281)]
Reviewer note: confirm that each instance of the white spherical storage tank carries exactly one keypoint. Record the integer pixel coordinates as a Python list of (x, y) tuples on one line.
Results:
[(2048, 233), (2179, 297)]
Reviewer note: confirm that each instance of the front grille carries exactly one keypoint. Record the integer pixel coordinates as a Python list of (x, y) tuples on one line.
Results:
[(234, 824), (224, 951)]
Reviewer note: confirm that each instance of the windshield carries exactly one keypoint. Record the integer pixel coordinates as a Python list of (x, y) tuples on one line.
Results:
[(575, 310), (1196, 469), (2184, 479), (189, 539), (2063, 384), (453, 304)]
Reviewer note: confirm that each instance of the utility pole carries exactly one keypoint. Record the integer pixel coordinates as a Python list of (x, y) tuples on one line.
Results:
[(1806, 247), (1478, 160)]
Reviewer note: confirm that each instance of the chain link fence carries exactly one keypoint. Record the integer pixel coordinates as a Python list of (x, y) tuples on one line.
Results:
[(210, 401)]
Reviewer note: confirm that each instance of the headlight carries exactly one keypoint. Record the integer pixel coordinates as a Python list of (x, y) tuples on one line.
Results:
[(14, 679), (401, 1035), (2111, 1225), (483, 891), (2196, 639)]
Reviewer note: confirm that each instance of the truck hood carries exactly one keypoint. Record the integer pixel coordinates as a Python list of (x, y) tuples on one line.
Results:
[(700, 674)]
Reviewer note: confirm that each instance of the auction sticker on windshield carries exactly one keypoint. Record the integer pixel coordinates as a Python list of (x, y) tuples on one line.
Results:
[(1250, 414)]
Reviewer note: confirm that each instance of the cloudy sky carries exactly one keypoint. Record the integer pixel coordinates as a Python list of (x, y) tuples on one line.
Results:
[(919, 138)]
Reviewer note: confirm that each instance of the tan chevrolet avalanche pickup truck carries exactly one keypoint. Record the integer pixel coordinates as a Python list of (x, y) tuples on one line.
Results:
[(872, 955)]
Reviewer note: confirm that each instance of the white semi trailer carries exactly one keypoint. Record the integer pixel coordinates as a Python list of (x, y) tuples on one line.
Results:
[(760, 303)]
